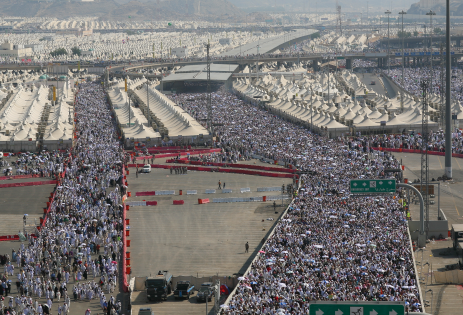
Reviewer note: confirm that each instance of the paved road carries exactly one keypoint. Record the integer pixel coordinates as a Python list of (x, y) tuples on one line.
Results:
[(446, 299), (451, 192), (366, 79), (192, 239), (16, 201)]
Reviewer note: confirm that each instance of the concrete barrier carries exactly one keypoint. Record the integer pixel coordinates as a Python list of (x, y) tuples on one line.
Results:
[(191, 192), (228, 200), (269, 189), (245, 190), (210, 191), (226, 191), (436, 228), (178, 202), (279, 197), (135, 203), (165, 192), (203, 201)]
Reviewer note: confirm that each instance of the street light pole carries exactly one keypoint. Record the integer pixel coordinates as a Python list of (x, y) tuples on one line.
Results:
[(403, 61), (311, 108), (448, 107), (431, 13), (388, 47)]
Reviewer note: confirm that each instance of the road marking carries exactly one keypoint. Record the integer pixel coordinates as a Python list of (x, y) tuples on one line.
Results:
[(453, 198), (440, 163), (458, 164)]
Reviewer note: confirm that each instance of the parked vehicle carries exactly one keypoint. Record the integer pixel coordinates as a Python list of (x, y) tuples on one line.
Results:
[(206, 291), (183, 290), (145, 311), (159, 286)]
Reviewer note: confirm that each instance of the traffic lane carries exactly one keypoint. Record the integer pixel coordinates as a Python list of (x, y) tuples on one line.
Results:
[(367, 78)]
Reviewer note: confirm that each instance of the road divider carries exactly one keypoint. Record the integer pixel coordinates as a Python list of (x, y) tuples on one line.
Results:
[(269, 189)]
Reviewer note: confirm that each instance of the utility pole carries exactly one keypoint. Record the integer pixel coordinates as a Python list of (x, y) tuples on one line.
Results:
[(148, 103), (431, 13), (257, 65), (448, 109), (403, 62), (424, 153), (442, 108), (388, 47), (209, 101)]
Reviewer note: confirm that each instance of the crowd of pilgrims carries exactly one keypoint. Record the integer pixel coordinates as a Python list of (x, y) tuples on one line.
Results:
[(412, 83), (436, 141), (43, 164), (75, 254), (328, 246)]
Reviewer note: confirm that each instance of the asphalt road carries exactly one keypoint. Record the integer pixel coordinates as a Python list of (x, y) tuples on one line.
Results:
[(366, 78), (192, 239), (451, 201), (17, 201)]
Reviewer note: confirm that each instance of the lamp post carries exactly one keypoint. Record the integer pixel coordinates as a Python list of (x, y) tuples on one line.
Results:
[(403, 61), (431, 13), (311, 108), (388, 47)]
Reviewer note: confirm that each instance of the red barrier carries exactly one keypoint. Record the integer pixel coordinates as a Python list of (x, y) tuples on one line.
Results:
[(125, 244), (13, 237), (18, 177), (48, 182), (152, 203), (245, 166), (178, 202), (203, 201), (145, 193)]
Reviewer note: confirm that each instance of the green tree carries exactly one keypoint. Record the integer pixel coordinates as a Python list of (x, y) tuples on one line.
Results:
[(415, 33), (437, 30), (59, 52), (405, 34), (76, 51)]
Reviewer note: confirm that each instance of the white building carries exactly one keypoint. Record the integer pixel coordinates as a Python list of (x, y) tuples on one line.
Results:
[(9, 50), (34, 47), (180, 52)]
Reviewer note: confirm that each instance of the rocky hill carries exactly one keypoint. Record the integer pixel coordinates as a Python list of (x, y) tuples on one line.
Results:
[(456, 8), (212, 10)]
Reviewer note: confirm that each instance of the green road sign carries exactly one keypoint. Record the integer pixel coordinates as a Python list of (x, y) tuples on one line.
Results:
[(340, 58), (368, 186), (356, 308)]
